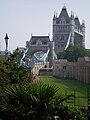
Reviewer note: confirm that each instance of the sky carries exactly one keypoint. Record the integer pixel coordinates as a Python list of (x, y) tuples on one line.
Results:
[(21, 18)]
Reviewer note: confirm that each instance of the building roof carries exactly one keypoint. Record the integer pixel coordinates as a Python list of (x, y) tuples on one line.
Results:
[(40, 37), (64, 14), (77, 22), (43, 39)]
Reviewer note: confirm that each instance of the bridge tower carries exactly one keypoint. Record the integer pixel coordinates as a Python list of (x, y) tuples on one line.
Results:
[(83, 32), (72, 23), (65, 26), (51, 54)]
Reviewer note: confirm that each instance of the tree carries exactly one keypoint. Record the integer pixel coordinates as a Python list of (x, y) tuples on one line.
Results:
[(16, 56), (72, 53), (3, 77), (36, 101), (11, 73), (1, 60)]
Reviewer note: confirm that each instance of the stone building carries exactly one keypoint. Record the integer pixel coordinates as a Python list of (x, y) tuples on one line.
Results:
[(79, 70), (67, 30), (40, 49)]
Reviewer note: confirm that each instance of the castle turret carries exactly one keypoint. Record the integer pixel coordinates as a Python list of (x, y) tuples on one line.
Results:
[(72, 23), (64, 15), (54, 23), (54, 19), (77, 24), (83, 32), (51, 54)]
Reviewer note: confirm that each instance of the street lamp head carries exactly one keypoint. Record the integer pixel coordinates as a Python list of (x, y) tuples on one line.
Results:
[(6, 41), (6, 38)]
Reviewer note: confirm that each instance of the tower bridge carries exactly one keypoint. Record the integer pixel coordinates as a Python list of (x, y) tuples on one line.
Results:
[(65, 27), (39, 50), (66, 30)]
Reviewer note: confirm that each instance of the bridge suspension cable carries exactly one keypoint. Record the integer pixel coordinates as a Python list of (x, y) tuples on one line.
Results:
[(43, 56), (24, 54), (68, 42)]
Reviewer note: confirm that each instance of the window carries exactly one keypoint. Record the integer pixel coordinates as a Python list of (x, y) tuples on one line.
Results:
[(34, 43), (58, 46), (39, 42), (64, 67), (62, 45), (62, 37), (44, 43), (45, 66), (62, 21)]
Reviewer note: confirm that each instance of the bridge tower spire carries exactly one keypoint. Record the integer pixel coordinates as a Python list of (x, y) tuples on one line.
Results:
[(72, 23)]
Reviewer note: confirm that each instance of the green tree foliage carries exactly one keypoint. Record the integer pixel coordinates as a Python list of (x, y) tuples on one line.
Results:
[(11, 73), (16, 56), (3, 76), (72, 53), (1, 60), (36, 101), (17, 73)]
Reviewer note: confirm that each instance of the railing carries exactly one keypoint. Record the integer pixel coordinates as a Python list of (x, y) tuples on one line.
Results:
[(78, 100), (78, 32)]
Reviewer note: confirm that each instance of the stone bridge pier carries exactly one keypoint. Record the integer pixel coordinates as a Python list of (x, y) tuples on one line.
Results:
[(41, 43)]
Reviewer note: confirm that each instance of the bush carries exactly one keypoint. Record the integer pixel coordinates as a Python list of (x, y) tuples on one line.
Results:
[(36, 101)]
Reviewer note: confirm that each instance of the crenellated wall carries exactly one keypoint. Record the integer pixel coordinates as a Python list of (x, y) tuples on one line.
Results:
[(79, 70)]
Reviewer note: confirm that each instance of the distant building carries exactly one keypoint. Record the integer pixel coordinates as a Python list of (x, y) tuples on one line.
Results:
[(67, 30), (2, 53), (41, 48), (21, 49)]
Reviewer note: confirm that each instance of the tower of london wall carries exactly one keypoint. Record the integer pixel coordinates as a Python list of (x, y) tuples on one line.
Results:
[(79, 70)]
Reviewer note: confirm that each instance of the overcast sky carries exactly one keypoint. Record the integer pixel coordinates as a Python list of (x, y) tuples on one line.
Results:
[(20, 18)]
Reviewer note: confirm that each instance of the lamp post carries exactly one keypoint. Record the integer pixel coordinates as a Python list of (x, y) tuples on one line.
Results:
[(6, 42), (17, 51)]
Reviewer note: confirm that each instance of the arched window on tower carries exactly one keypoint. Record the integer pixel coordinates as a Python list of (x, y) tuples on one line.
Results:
[(62, 45), (62, 37), (62, 21)]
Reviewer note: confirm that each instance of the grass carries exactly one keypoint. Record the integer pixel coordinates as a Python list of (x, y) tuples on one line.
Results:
[(69, 86)]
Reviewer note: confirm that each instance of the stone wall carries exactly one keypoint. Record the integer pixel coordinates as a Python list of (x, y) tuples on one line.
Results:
[(32, 73), (79, 70), (46, 71)]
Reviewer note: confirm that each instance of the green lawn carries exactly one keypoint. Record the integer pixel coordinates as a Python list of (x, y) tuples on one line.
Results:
[(69, 86)]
